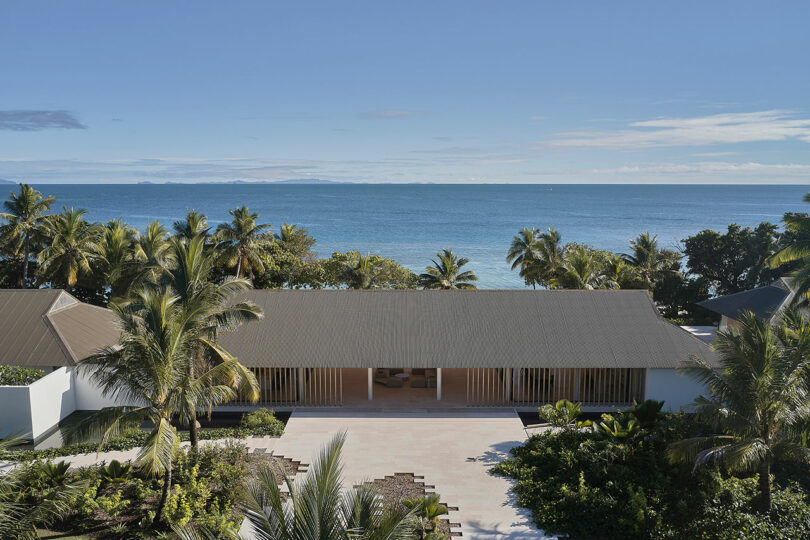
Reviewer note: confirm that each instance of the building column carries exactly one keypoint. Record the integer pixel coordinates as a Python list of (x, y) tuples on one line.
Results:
[(370, 384), (438, 384), (301, 380)]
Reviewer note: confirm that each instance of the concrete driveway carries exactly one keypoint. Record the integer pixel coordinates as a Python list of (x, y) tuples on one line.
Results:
[(453, 450)]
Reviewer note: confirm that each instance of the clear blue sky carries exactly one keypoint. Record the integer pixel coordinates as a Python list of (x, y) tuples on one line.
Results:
[(456, 91)]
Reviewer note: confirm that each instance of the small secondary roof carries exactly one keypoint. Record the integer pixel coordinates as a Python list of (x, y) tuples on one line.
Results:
[(49, 328), (458, 329), (764, 302)]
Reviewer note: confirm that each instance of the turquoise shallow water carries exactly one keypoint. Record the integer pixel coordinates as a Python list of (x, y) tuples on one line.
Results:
[(411, 222)]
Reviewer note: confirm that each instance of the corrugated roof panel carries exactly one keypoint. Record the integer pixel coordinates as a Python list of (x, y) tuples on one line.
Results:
[(484, 328)]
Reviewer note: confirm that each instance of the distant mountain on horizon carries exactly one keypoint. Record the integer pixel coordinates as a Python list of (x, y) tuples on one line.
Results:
[(291, 181), (4, 181)]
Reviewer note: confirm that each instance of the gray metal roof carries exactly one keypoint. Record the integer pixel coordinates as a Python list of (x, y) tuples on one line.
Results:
[(49, 327), (765, 302), (456, 329)]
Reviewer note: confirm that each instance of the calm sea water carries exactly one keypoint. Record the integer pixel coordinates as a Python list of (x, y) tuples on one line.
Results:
[(411, 222)]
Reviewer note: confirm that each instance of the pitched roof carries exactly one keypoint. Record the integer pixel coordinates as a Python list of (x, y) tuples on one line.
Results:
[(49, 327), (764, 302), (456, 329)]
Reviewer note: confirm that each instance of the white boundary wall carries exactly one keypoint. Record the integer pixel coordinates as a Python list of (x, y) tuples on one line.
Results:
[(677, 390), (30, 411)]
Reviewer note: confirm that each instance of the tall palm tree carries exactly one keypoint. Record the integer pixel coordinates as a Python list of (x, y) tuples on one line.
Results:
[(25, 213), (208, 310), (318, 507), (543, 256), (582, 269), (149, 367), (239, 241), (152, 253), (71, 245), (759, 395), (364, 272), (116, 262), (797, 252), (524, 252), (649, 260), (195, 224), (446, 273)]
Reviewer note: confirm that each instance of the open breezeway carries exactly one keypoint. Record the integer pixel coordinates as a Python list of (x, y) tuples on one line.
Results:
[(452, 450)]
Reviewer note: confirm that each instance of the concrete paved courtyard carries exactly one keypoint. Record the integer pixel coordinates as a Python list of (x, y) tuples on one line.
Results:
[(453, 450)]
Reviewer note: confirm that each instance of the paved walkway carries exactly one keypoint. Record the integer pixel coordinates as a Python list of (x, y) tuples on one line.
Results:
[(453, 450)]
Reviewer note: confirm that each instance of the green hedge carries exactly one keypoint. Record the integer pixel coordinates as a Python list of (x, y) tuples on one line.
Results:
[(19, 376)]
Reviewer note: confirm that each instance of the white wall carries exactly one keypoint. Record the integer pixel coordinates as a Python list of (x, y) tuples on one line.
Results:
[(52, 399), (88, 395), (677, 390), (30, 411)]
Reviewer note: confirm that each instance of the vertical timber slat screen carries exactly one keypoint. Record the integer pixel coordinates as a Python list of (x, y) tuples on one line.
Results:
[(532, 386), (314, 387)]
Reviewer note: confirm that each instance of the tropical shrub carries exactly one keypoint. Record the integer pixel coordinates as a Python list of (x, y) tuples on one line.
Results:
[(19, 376), (595, 484), (562, 414), (262, 420)]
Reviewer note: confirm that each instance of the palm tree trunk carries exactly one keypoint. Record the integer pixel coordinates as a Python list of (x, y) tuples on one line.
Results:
[(239, 267), (26, 254), (193, 432), (164, 494), (765, 485)]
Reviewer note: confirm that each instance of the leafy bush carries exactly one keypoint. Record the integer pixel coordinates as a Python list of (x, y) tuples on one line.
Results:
[(112, 504), (562, 414), (262, 418), (731, 514), (116, 472), (594, 484), (19, 376)]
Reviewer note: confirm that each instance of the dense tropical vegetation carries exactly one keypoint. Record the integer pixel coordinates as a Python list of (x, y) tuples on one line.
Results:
[(99, 262), (738, 468)]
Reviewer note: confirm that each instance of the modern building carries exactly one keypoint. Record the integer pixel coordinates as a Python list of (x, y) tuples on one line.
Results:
[(394, 349)]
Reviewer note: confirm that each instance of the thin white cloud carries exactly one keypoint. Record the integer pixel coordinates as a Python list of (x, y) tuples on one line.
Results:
[(716, 154), (731, 128), (392, 113), (715, 168)]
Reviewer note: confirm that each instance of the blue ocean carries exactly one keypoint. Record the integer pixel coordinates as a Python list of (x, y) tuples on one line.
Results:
[(410, 223)]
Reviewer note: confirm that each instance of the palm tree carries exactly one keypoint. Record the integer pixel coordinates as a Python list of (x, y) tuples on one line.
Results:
[(545, 266), (207, 312), (318, 507), (759, 396), (524, 252), (446, 273), (71, 246), (25, 213), (582, 269), (364, 272), (195, 224), (116, 262), (650, 261), (797, 252), (152, 253), (296, 240), (239, 241), (150, 368)]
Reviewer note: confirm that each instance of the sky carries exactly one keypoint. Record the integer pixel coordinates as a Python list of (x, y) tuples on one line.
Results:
[(395, 92)]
